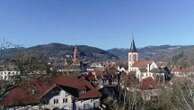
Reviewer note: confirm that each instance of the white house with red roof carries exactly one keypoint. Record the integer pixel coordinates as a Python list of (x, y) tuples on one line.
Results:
[(149, 89), (61, 92)]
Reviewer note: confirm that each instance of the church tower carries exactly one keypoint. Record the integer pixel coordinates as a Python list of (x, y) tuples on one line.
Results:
[(133, 55), (75, 56)]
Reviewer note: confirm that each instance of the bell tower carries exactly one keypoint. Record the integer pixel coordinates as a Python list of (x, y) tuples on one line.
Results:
[(75, 56), (133, 55)]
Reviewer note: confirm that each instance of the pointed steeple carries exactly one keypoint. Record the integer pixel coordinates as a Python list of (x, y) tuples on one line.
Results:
[(133, 47)]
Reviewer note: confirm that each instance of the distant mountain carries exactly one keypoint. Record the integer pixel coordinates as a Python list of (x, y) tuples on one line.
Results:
[(60, 50), (179, 55)]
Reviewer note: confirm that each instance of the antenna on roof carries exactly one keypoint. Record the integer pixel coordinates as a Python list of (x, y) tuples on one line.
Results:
[(132, 35)]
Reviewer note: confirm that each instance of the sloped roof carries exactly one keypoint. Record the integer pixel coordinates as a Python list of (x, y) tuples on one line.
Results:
[(148, 83), (73, 82), (142, 63), (30, 92), (23, 94), (19, 96), (183, 70), (94, 93)]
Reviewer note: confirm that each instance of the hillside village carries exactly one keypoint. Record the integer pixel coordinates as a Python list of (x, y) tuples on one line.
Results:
[(70, 83)]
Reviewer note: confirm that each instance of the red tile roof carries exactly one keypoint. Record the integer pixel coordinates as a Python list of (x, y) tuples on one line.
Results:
[(73, 82), (142, 64), (183, 70), (148, 83), (19, 96), (23, 94), (90, 94)]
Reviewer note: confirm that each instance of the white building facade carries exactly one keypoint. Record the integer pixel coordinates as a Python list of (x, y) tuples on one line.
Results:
[(7, 75)]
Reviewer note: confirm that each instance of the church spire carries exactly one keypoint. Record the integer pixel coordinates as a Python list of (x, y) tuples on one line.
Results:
[(133, 47), (133, 55)]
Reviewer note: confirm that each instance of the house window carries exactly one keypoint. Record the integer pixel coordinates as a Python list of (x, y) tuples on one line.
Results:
[(135, 58), (65, 100), (95, 105), (86, 106), (83, 92), (56, 101)]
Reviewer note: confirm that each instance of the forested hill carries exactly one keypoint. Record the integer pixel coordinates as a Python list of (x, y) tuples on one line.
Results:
[(179, 55), (60, 51)]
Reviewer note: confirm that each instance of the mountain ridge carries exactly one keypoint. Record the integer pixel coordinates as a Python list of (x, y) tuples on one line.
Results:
[(59, 50), (175, 54)]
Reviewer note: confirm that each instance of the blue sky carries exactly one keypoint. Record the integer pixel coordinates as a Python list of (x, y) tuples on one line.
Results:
[(102, 23)]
